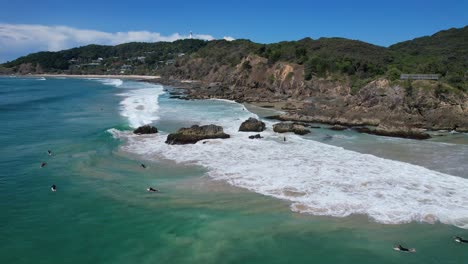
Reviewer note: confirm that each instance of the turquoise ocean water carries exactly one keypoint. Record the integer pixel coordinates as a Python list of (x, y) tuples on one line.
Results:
[(347, 198)]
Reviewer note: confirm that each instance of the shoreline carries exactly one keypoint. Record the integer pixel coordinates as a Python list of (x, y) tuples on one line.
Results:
[(127, 77)]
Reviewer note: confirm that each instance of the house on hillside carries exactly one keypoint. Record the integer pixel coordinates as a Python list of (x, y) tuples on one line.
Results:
[(419, 77), (124, 68)]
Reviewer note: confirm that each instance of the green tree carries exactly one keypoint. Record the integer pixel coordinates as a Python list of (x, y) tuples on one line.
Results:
[(393, 74)]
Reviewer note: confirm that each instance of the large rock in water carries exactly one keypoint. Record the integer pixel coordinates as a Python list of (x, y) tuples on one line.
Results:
[(252, 125), (146, 129), (195, 133), (284, 127)]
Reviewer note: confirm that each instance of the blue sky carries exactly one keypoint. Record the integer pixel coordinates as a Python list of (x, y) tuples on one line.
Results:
[(378, 22)]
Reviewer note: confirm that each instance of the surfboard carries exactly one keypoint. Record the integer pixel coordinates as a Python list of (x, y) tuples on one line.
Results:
[(410, 250)]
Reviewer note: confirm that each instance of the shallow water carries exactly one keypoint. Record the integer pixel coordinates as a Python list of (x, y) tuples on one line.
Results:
[(101, 212)]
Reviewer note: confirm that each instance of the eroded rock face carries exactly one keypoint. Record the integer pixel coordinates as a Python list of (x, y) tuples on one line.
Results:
[(252, 125), (285, 127), (195, 133), (380, 102), (146, 129)]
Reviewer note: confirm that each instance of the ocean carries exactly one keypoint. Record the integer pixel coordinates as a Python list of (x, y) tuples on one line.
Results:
[(328, 197)]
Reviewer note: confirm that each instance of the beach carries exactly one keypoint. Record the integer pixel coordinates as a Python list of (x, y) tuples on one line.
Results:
[(126, 77)]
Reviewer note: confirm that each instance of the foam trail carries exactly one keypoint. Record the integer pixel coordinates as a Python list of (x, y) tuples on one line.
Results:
[(316, 178)]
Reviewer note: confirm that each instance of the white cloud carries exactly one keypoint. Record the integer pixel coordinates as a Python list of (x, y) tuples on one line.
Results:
[(20, 39), (228, 38)]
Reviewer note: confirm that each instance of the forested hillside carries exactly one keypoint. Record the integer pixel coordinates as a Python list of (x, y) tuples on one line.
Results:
[(444, 53)]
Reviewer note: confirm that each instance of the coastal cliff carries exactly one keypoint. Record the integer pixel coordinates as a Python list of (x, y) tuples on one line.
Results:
[(418, 104), (328, 80)]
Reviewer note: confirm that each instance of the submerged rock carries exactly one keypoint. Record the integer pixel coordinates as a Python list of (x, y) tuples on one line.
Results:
[(146, 129), (252, 125), (257, 136), (338, 128), (195, 133), (284, 127)]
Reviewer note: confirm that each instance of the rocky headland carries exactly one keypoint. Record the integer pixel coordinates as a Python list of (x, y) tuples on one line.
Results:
[(390, 106), (336, 81)]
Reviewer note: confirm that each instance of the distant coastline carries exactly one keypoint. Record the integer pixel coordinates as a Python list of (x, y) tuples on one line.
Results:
[(131, 77)]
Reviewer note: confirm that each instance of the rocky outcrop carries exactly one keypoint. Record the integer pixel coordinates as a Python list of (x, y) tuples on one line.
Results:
[(418, 104), (257, 136), (252, 125), (394, 132), (195, 133), (338, 128), (285, 127), (146, 129)]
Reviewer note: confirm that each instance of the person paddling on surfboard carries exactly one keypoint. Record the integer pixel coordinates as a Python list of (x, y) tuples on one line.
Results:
[(460, 240), (49, 152), (53, 188), (43, 164), (151, 189), (400, 248), (143, 166)]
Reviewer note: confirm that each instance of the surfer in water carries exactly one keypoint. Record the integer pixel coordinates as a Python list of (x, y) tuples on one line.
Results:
[(400, 248), (284, 139), (151, 189), (53, 188), (43, 164), (460, 240), (49, 152), (143, 166)]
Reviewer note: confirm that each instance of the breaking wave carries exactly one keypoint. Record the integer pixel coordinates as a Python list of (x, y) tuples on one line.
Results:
[(314, 177)]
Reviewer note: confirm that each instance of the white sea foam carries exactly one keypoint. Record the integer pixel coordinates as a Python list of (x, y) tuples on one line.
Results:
[(112, 82), (140, 105), (316, 178)]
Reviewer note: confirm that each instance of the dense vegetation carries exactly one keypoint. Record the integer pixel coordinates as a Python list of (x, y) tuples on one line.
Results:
[(80, 60), (444, 53)]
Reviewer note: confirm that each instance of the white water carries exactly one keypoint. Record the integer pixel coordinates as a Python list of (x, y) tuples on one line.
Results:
[(113, 82), (316, 178), (139, 105)]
